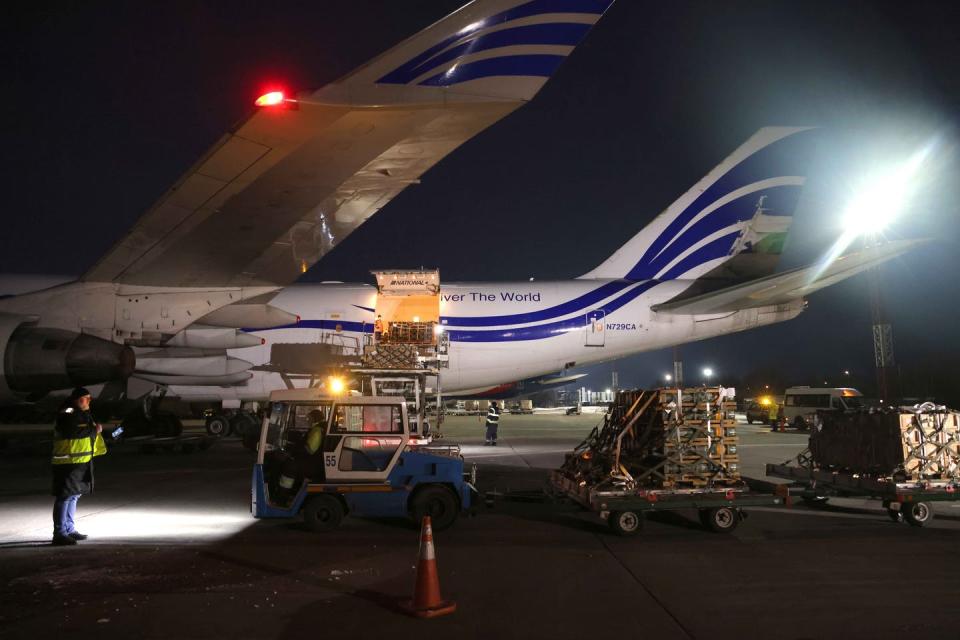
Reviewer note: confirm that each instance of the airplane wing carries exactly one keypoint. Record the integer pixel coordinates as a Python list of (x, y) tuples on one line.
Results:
[(282, 189), (790, 285)]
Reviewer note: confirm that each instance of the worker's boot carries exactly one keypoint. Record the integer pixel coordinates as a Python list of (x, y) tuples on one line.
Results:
[(59, 540), (76, 535)]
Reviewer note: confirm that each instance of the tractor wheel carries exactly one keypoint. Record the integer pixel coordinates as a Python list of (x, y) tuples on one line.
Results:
[(218, 425), (917, 514), (800, 424), (245, 426), (435, 501), (322, 513), (895, 515), (720, 519), (625, 523)]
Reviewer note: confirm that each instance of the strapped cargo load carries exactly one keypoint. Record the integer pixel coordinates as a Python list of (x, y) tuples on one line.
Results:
[(662, 439), (906, 443)]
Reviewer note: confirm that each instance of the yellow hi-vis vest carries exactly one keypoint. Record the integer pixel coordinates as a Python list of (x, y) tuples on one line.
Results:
[(77, 450), (314, 439)]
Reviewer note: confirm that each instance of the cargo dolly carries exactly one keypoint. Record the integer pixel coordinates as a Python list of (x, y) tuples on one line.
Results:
[(720, 508), (907, 500)]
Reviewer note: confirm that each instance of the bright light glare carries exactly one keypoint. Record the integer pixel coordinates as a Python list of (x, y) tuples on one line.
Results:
[(667, 377), (270, 99), (336, 385), (881, 199), (159, 524), (878, 201), (707, 372)]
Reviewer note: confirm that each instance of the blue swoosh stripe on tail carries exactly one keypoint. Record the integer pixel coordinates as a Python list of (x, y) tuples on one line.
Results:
[(788, 156), (710, 251), (524, 65), (401, 75), (782, 198), (564, 34)]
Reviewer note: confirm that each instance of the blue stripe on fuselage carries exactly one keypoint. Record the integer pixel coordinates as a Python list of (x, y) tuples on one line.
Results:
[(549, 330), (589, 298), (344, 325), (535, 332)]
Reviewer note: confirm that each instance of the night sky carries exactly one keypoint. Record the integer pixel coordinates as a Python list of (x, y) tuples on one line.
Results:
[(107, 103)]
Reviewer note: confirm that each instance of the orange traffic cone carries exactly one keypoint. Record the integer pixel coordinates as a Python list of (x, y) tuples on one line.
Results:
[(427, 602)]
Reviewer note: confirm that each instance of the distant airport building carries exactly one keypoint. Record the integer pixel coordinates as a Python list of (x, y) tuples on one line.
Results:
[(586, 396)]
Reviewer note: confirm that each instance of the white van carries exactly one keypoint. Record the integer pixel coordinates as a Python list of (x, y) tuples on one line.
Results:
[(800, 404)]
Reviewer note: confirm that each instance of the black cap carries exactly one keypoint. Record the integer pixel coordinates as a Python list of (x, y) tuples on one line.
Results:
[(78, 392)]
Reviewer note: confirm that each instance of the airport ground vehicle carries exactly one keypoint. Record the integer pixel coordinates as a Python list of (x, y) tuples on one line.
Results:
[(720, 509), (907, 500), (523, 407), (759, 411), (800, 404), (369, 465)]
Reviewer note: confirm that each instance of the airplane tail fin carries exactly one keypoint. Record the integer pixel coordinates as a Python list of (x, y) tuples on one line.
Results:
[(732, 225), (488, 49)]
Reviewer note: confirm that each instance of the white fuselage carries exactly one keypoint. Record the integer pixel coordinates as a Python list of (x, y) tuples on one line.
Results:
[(499, 332)]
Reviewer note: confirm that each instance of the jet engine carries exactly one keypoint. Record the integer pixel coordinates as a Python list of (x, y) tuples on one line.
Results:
[(37, 360)]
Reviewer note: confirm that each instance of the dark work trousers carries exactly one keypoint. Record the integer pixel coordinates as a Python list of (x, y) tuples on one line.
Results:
[(492, 431)]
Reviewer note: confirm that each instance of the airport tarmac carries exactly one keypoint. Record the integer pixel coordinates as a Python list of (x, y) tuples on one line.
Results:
[(174, 553)]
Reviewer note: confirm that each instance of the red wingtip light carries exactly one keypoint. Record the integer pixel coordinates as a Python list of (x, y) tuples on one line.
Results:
[(271, 99)]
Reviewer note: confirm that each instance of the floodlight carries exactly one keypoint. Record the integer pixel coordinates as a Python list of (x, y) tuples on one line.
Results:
[(882, 197)]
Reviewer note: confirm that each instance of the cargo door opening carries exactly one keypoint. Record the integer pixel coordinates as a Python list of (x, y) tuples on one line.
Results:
[(408, 307)]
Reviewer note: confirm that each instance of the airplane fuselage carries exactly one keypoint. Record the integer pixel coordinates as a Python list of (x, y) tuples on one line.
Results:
[(499, 332)]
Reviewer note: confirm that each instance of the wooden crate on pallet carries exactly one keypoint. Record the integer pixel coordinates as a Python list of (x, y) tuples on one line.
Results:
[(917, 445)]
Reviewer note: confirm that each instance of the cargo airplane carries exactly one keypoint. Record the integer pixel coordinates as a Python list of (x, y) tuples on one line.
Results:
[(199, 299)]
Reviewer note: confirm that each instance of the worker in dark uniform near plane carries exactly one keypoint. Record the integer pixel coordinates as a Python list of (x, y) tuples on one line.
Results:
[(493, 421), (77, 440), (305, 461)]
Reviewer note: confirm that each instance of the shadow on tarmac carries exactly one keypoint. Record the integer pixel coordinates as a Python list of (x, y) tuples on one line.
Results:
[(26, 544)]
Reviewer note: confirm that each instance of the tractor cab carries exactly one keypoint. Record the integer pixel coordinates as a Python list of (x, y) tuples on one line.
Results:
[(358, 460)]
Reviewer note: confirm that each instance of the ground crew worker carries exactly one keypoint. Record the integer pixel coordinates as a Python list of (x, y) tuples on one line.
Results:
[(306, 461), (773, 414), (378, 328), (77, 440), (493, 420)]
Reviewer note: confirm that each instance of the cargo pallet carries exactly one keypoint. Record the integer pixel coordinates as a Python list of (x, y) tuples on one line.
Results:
[(904, 499)]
